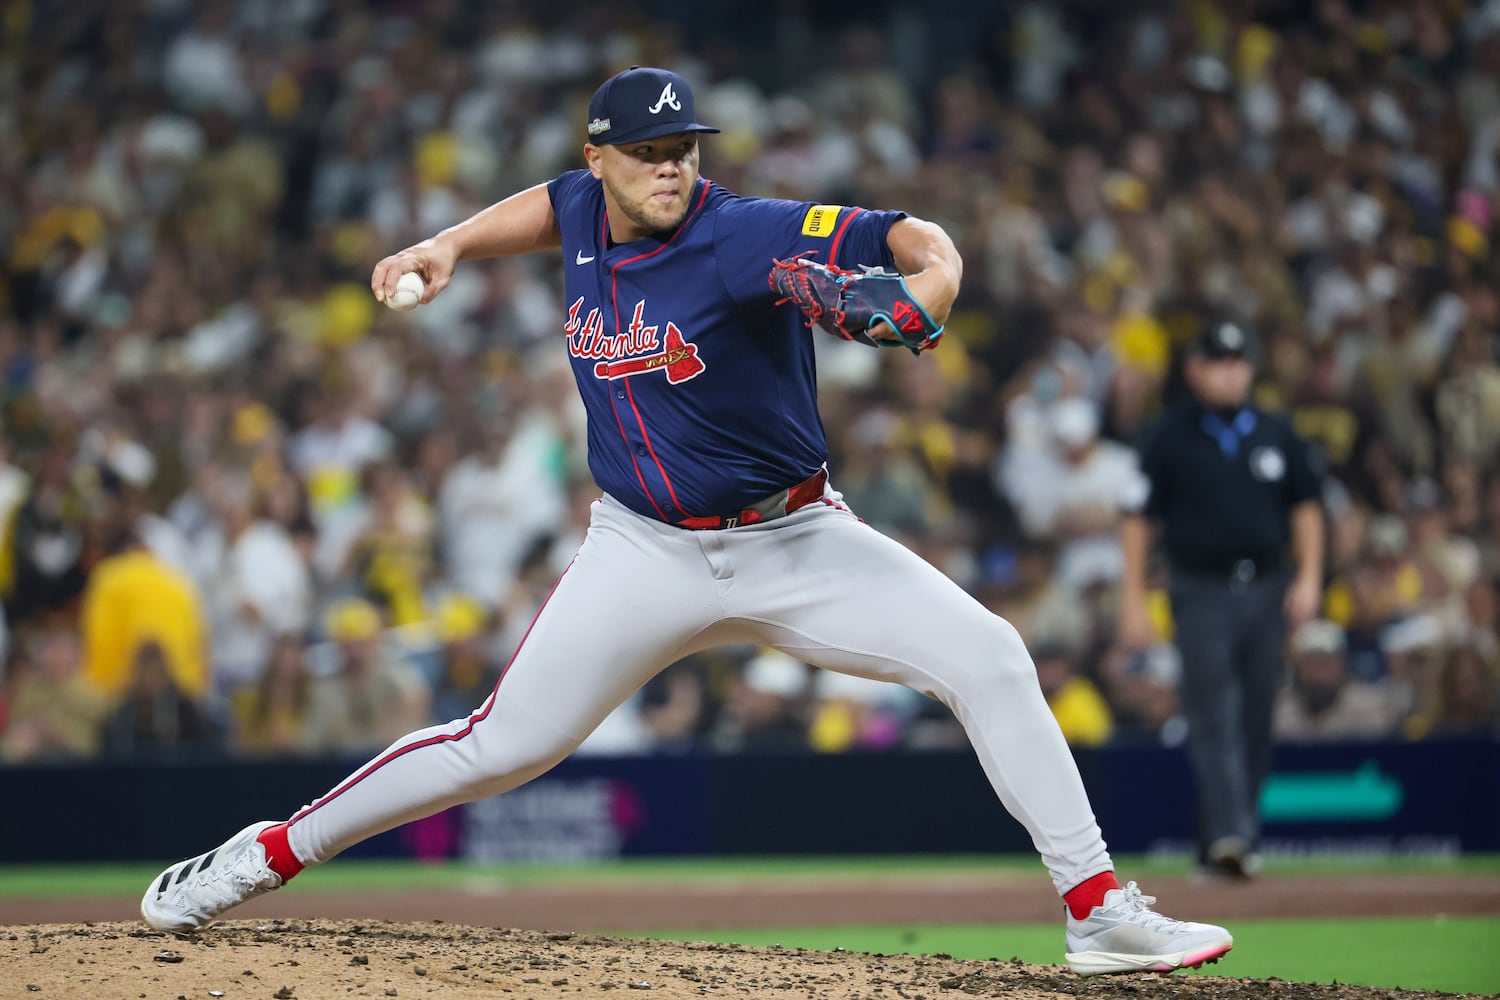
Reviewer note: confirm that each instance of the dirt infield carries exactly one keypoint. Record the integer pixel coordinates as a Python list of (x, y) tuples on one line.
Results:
[(459, 943), (308, 960)]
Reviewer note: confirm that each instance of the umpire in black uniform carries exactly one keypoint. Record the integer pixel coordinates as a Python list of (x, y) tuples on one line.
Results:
[(1236, 497)]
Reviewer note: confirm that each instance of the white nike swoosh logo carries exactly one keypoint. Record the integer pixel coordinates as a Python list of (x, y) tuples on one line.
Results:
[(581, 259)]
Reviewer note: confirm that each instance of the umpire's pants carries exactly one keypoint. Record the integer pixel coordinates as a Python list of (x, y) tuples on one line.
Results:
[(1230, 631)]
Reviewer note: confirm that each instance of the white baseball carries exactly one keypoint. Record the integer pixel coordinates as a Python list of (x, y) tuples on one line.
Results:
[(408, 293)]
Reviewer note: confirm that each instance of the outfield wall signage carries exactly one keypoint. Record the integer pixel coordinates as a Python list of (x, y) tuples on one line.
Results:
[(1431, 797)]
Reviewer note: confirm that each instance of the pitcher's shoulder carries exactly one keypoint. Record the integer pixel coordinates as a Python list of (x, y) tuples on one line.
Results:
[(572, 187), (739, 214)]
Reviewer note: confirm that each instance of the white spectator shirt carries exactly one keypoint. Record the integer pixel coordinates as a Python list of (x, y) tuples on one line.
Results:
[(1043, 488), (206, 70), (171, 545), (262, 570), (622, 733), (354, 444), (491, 513)]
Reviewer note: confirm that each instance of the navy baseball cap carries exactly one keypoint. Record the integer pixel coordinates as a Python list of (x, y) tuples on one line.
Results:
[(642, 103), (1223, 340)]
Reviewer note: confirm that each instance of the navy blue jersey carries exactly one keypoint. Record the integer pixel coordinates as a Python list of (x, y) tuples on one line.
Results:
[(701, 394)]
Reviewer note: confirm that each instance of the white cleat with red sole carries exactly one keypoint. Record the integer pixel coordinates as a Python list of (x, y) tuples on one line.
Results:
[(191, 894), (1125, 935)]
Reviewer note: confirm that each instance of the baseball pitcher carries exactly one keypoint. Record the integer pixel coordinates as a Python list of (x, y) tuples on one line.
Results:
[(688, 314)]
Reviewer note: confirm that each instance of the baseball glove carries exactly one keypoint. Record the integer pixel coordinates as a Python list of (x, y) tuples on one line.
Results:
[(847, 303)]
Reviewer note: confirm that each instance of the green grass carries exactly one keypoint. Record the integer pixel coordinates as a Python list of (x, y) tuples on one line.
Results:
[(1454, 954), (354, 875)]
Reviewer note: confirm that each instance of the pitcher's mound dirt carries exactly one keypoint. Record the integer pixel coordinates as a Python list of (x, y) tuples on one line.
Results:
[(312, 959)]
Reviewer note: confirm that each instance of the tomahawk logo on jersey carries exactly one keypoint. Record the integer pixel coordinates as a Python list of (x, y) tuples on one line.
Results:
[(638, 347), (652, 337)]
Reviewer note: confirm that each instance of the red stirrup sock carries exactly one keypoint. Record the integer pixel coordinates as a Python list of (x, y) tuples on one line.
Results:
[(1084, 896), (279, 856)]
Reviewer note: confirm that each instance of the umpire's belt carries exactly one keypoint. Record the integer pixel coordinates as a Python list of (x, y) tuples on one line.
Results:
[(810, 490), (1235, 569)]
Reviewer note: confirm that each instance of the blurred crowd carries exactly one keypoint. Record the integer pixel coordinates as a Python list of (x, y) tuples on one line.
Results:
[(245, 508)]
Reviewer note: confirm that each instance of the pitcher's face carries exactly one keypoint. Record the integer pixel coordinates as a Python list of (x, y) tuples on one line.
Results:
[(647, 184)]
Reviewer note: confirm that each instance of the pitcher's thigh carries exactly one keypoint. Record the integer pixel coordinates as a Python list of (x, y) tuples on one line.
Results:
[(615, 619), (864, 604)]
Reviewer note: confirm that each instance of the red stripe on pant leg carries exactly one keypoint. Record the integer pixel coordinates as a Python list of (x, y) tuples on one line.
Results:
[(444, 737)]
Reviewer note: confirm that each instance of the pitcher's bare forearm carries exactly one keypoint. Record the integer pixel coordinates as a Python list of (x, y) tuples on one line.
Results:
[(1307, 539), (925, 254), (1135, 543), (522, 223)]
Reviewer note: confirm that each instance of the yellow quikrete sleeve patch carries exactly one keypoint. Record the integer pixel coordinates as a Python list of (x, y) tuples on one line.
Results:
[(820, 219)]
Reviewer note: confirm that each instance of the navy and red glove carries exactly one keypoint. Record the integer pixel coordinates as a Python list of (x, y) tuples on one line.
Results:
[(848, 303)]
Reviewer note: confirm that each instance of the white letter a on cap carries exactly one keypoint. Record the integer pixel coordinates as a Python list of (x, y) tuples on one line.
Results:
[(669, 98)]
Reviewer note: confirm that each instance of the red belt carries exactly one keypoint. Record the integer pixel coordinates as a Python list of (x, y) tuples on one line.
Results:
[(810, 490)]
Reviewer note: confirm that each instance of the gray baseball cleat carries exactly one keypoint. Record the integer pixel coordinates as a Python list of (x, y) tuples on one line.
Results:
[(1126, 935), (191, 894)]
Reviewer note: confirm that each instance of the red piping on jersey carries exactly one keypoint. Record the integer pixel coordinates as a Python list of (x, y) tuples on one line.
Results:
[(614, 301), (631, 451), (833, 249), (604, 242), (645, 436), (445, 737)]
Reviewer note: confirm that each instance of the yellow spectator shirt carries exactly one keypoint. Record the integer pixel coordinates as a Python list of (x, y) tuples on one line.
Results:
[(1082, 713), (135, 598)]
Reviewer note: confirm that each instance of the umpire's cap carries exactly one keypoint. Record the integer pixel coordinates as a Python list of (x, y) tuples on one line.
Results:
[(1223, 339), (642, 103)]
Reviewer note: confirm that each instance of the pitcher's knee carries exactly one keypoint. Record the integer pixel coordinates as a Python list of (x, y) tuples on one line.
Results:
[(1005, 660), (510, 771), (510, 752), (993, 664), (1010, 649)]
